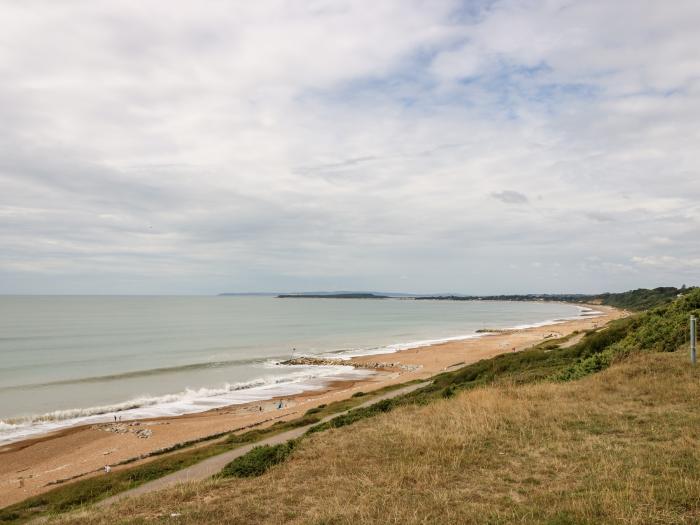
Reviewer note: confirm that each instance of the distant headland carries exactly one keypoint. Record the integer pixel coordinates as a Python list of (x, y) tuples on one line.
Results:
[(349, 295)]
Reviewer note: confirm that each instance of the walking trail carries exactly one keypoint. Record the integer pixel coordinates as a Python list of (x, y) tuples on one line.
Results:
[(212, 466)]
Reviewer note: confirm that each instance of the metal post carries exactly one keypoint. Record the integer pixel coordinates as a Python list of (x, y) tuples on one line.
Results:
[(693, 339)]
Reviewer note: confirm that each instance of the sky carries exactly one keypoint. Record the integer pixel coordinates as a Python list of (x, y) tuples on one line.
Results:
[(172, 147)]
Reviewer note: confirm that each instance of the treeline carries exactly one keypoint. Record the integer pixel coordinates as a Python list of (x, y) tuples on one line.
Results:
[(643, 298), (640, 299), (571, 298)]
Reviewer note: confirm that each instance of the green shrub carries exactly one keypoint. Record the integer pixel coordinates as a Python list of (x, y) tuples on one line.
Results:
[(259, 460), (448, 392), (355, 415), (303, 421), (588, 365), (247, 437)]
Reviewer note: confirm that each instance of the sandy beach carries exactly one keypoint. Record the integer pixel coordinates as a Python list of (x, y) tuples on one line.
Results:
[(35, 465)]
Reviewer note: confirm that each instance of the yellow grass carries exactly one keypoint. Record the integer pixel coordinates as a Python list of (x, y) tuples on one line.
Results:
[(621, 446)]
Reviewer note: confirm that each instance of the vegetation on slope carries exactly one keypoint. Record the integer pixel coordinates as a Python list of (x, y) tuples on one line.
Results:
[(79, 493), (636, 300), (663, 329), (259, 460), (642, 298), (546, 361), (616, 447)]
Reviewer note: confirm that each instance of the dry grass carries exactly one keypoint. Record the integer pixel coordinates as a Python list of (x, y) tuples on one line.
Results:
[(621, 446)]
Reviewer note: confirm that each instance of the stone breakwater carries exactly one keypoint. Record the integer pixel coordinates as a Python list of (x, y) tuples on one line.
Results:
[(320, 361)]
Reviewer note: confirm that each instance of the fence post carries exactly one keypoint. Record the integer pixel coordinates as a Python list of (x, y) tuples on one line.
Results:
[(693, 339)]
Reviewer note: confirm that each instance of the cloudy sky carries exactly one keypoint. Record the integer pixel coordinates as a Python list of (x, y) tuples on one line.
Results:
[(399, 145)]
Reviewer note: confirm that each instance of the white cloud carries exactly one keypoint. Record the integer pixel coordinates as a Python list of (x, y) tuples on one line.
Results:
[(510, 197), (668, 262), (167, 147)]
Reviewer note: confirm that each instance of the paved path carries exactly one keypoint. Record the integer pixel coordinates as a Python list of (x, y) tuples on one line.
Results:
[(213, 465)]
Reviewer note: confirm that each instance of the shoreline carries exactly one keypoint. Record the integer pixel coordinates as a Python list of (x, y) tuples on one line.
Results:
[(34, 465), (160, 406)]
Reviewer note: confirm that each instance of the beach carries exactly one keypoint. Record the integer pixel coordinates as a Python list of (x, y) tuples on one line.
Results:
[(35, 465)]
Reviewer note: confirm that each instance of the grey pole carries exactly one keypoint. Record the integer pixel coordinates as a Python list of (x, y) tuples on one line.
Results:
[(693, 339)]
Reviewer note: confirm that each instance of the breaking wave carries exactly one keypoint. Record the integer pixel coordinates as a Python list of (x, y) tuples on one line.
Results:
[(185, 402)]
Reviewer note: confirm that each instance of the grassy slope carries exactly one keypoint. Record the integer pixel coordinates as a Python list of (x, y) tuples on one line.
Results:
[(76, 494), (619, 446), (506, 446)]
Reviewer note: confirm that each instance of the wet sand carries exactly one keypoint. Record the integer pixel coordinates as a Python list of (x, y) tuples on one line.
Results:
[(33, 466)]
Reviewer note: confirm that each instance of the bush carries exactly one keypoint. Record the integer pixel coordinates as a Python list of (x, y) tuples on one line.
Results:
[(355, 415), (294, 423), (259, 460), (588, 365), (247, 437), (448, 392)]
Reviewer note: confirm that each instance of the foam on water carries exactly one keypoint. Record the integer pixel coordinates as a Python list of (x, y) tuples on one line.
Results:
[(187, 402)]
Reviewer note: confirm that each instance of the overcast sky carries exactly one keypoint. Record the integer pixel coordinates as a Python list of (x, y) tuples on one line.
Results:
[(395, 145)]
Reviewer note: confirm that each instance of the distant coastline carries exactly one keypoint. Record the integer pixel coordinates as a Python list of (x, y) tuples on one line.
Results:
[(635, 300), (333, 296)]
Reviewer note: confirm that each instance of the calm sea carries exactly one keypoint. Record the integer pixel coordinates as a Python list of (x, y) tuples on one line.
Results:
[(69, 360)]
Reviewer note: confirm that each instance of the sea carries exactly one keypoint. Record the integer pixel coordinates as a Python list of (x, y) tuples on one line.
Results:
[(70, 360)]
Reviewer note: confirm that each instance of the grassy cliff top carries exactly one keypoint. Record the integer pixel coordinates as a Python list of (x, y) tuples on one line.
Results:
[(616, 447)]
